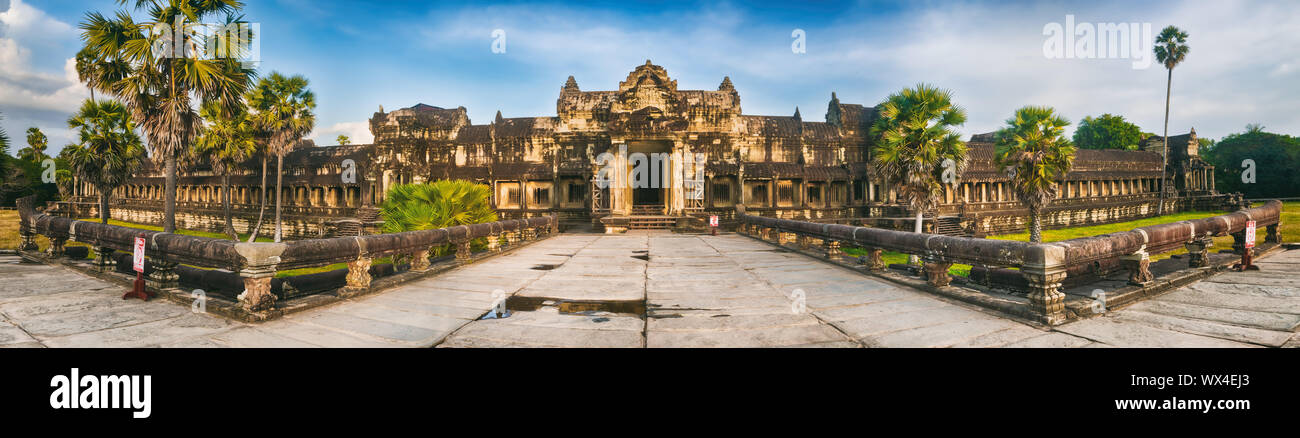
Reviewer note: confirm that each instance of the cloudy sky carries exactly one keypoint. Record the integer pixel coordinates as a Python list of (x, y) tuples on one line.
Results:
[(1244, 66)]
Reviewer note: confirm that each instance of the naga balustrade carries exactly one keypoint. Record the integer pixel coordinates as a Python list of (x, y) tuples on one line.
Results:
[(257, 263), (1042, 267)]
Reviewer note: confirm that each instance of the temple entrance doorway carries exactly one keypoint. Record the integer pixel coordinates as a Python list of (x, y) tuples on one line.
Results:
[(649, 166)]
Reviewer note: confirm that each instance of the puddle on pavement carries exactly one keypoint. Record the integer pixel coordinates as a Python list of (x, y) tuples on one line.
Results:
[(516, 303), (645, 257), (545, 267)]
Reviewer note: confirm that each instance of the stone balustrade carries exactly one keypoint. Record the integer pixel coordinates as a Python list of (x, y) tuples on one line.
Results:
[(257, 263), (1042, 267)]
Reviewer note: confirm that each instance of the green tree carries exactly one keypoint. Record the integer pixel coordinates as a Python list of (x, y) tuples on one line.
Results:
[(1270, 171), (139, 67), (37, 142), (914, 137), (343, 140), (1107, 132), (226, 142), (1171, 48), (1032, 148), (108, 151), (284, 111)]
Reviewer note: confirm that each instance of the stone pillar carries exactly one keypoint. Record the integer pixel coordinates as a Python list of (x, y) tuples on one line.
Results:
[(1239, 243), (1138, 266), (512, 238), (936, 273), (1198, 252), (802, 242), (260, 260), (1044, 269), (56, 247), (530, 233), (420, 261), (832, 248), (257, 294), (876, 259), (103, 260), (29, 241), (164, 275), (358, 279), (463, 252), (494, 242), (1274, 235), (783, 238)]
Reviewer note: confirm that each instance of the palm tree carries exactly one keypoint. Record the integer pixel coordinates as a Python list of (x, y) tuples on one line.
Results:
[(139, 67), (913, 138), (1032, 148), (343, 140), (4, 141), (441, 204), (225, 143), (36, 142), (284, 108), (1171, 48), (109, 151)]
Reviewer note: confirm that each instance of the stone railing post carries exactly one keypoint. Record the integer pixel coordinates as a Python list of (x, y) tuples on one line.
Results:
[(164, 275), (801, 241), (1044, 269), (1273, 233), (358, 279), (420, 261), (875, 259), (259, 266), (1239, 243), (463, 251), (783, 238), (1138, 266), (1198, 252), (56, 247), (29, 241), (529, 234), (494, 242), (936, 273), (104, 259), (512, 238), (832, 249)]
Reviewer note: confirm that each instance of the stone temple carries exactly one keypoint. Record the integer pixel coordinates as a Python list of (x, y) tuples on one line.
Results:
[(782, 166)]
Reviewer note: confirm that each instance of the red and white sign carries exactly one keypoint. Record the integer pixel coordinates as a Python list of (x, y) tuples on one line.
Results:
[(713, 220), (139, 254), (1250, 234)]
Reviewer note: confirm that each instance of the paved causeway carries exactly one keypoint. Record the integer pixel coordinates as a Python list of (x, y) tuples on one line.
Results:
[(646, 290)]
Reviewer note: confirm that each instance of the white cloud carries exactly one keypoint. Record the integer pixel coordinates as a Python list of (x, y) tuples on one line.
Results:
[(38, 86), (357, 132)]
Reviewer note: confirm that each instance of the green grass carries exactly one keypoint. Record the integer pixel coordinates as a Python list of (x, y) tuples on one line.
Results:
[(242, 237)]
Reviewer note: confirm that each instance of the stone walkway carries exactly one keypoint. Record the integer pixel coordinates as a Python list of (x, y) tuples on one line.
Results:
[(590, 290)]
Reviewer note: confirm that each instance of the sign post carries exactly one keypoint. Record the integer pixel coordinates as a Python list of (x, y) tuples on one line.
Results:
[(1248, 252), (713, 224), (138, 264)]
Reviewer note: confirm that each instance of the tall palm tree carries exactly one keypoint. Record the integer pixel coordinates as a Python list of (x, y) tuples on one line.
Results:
[(108, 151), (914, 136), (4, 141), (159, 88), (1171, 48), (225, 143), (36, 142), (1034, 150), (284, 108)]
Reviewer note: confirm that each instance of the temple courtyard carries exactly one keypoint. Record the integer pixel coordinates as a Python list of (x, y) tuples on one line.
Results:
[(649, 289)]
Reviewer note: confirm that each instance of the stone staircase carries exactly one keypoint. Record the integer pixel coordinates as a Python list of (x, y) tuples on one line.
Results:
[(949, 226), (648, 222), (353, 226), (647, 210)]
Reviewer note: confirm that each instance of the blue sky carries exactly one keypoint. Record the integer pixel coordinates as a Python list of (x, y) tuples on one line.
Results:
[(1244, 66)]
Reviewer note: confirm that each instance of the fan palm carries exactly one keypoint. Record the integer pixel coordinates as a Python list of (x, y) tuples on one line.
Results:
[(108, 151), (914, 136), (441, 204), (1171, 48), (1032, 148), (225, 143), (283, 106), (138, 65)]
